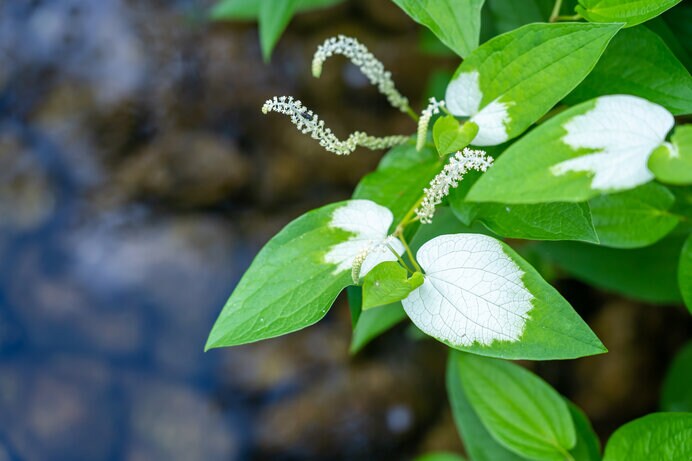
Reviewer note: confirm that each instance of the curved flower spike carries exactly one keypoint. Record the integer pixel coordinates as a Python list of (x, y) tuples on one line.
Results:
[(433, 108), (366, 61), (309, 123)]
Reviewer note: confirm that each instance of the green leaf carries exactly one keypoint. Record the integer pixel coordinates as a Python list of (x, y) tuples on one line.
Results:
[(456, 23), (400, 178), (244, 10), (672, 162), (647, 273), (297, 275), (480, 296), (677, 392), (588, 447), (388, 283), (373, 323), (440, 457), (658, 436), (653, 72), (542, 221), (519, 409), (450, 136), (685, 273), (597, 147), (634, 218), (631, 12), (479, 443), (274, 16), (514, 79)]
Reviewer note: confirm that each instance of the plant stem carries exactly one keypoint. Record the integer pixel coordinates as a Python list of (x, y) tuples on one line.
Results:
[(556, 11), (401, 261), (568, 18), (409, 253), (412, 114)]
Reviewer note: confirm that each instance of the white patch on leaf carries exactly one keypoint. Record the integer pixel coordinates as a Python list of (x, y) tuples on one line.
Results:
[(473, 292), (463, 98), (624, 131), (369, 223)]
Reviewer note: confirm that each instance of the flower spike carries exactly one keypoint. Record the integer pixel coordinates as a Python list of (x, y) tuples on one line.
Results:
[(449, 177), (308, 122), (433, 108), (370, 66)]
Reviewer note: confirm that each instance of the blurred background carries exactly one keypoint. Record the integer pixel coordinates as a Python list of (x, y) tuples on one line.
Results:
[(138, 178)]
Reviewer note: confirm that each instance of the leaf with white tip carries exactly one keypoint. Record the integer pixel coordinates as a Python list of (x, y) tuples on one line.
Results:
[(514, 79), (297, 275), (480, 296), (600, 146)]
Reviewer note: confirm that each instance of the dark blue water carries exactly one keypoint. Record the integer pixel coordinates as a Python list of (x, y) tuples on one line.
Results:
[(137, 181)]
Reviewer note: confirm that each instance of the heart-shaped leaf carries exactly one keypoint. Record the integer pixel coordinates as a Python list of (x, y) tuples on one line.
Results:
[(480, 296)]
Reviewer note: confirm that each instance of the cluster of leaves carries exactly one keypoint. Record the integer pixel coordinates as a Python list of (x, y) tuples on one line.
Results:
[(602, 186)]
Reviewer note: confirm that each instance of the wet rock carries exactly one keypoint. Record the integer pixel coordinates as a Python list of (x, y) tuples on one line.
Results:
[(287, 362), (442, 435), (174, 423), (27, 198), (623, 384), (365, 411), (187, 170), (62, 409)]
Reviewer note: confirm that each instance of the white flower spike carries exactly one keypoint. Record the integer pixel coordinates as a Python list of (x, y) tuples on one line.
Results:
[(449, 177), (371, 67), (309, 123), (433, 108)]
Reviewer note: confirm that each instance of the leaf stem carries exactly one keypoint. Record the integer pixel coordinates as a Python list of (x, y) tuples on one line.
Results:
[(556, 11), (401, 261), (411, 113), (409, 253)]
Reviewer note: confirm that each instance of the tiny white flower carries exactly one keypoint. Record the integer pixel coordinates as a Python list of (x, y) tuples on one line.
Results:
[(449, 177), (433, 108), (371, 67), (308, 122)]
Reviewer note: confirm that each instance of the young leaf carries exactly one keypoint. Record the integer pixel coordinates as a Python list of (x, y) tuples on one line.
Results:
[(597, 147), (519, 409), (588, 447), (672, 162), (388, 283), (631, 12), (513, 80), (449, 136), (297, 275), (373, 323), (400, 178), (479, 443), (634, 218), (685, 273), (677, 392), (456, 24), (480, 296), (244, 10), (658, 436), (541, 221), (652, 73), (273, 18), (647, 273)]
